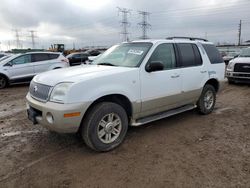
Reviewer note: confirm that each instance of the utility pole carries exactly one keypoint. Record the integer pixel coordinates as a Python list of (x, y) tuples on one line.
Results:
[(124, 22), (144, 24), (33, 36), (239, 39), (16, 31)]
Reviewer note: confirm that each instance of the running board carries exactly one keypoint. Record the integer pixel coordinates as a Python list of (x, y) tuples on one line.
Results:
[(162, 115)]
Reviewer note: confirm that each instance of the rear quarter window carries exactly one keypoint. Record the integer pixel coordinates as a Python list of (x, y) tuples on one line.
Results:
[(213, 53)]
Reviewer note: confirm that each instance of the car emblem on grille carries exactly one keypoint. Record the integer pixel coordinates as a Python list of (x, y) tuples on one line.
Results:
[(246, 67), (35, 88)]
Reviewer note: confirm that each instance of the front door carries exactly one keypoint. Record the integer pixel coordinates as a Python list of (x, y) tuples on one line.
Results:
[(161, 90), (21, 70)]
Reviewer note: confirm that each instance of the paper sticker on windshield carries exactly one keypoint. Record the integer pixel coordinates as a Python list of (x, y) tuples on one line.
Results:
[(136, 52)]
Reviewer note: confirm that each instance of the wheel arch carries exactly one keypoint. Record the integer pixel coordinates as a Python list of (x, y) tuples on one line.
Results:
[(115, 98), (215, 83), (7, 78)]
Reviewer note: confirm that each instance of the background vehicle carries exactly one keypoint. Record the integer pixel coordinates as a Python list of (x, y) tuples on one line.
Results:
[(5, 57), (133, 84), (23, 67), (229, 56), (238, 69), (77, 58)]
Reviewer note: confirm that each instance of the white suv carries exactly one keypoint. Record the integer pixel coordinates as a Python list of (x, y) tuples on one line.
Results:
[(130, 84), (23, 67)]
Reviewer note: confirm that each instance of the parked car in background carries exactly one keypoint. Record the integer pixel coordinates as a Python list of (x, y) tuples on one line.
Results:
[(229, 56), (92, 58), (77, 58), (5, 57), (2, 55), (238, 69), (22, 68)]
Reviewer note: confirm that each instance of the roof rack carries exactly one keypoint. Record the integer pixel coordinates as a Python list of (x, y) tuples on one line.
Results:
[(189, 38)]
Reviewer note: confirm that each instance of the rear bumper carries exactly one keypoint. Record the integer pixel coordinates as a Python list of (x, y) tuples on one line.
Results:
[(52, 115)]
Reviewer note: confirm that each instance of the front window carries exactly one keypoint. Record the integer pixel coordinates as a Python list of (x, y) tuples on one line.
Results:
[(22, 60), (124, 55), (245, 53)]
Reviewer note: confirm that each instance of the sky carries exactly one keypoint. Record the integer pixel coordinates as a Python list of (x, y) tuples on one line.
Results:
[(81, 23)]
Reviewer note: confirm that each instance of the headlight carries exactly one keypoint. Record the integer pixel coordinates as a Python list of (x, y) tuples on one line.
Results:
[(230, 66), (59, 92)]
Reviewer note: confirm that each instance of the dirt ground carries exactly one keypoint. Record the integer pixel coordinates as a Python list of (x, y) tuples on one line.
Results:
[(186, 150)]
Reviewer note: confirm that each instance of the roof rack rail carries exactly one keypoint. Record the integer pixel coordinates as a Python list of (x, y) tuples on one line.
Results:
[(189, 38)]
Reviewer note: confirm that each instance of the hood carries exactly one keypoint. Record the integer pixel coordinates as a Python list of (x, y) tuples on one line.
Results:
[(77, 74), (241, 60)]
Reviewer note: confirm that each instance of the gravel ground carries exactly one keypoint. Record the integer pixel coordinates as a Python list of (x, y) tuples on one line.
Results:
[(186, 150)]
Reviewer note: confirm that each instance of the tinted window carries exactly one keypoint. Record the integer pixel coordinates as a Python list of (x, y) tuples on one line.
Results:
[(164, 53), (213, 54), (197, 55), (40, 57), (187, 54), (22, 60), (53, 56)]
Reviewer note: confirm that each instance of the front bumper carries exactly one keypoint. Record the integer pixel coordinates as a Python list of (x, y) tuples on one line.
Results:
[(238, 76), (52, 115)]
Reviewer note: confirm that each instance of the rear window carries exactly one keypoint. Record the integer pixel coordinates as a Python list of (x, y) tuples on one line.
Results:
[(39, 57), (213, 53), (53, 56)]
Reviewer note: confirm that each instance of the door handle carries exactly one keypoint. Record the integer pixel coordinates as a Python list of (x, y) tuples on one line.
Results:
[(175, 76), (203, 72)]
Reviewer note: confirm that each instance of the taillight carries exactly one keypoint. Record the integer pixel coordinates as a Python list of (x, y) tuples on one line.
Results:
[(65, 60)]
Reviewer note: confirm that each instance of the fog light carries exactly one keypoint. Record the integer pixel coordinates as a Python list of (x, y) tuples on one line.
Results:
[(50, 118)]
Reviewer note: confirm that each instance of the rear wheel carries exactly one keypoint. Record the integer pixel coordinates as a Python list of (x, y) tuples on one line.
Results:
[(207, 100), (3, 82), (105, 126)]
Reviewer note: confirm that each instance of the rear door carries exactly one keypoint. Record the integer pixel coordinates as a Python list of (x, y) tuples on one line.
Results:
[(161, 90), (21, 69), (193, 71), (43, 61)]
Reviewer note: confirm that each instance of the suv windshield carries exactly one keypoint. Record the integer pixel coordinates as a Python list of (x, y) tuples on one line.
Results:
[(245, 53), (124, 55)]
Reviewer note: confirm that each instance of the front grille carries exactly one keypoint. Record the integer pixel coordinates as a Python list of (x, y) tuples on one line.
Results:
[(242, 67), (39, 91), (241, 75)]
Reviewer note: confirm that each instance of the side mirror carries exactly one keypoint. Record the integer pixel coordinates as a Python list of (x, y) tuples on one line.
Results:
[(236, 56), (9, 64), (154, 66)]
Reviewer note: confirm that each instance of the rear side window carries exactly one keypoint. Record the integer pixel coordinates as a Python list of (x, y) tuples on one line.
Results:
[(190, 55), (213, 53), (40, 57), (53, 56), (165, 54)]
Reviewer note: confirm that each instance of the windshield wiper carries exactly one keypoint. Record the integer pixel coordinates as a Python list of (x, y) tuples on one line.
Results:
[(105, 63)]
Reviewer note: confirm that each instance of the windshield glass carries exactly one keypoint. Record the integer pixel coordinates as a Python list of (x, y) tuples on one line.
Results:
[(245, 52), (124, 55)]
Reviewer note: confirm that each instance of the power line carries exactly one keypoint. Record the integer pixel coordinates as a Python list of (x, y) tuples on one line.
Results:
[(144, 24), (124, 22)]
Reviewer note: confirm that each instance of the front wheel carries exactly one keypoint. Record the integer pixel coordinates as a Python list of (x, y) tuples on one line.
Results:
[(3, 82), (105, 126), (207, 100)]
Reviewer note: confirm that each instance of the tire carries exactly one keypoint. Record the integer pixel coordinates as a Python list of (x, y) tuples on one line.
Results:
[(230, 81), (207, 100), (103, 121), (3, 82)]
